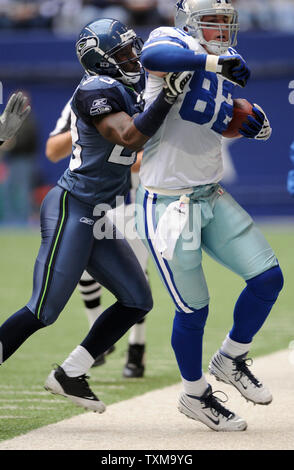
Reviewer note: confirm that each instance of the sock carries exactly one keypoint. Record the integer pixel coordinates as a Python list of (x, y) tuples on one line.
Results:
[(255, 303), (187, 336), (78, 362), (110, 327), (196, 387), (234, 349), (138, 333), (91, 294), (15, 331)]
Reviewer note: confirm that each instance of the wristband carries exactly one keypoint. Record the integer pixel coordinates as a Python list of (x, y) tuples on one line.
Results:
[(212, 64)]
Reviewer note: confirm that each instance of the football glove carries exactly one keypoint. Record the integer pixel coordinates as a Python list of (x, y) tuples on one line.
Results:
[(257, 128), (174, 84), (232, 68), (290, 182), (13, 116)]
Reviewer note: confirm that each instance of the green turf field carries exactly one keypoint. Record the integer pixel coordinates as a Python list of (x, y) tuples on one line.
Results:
[(25, 405)]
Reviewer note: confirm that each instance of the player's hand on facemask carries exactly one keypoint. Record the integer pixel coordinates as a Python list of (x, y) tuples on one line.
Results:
[(231, 67), (257, 128), (174, 84), (13, 116)]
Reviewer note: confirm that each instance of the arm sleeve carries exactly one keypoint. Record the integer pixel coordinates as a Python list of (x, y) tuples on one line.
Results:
[(170, 54)]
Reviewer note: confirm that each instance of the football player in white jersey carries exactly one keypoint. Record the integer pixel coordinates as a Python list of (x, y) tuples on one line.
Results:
[(182, 208), (13, 116), (58, 147)]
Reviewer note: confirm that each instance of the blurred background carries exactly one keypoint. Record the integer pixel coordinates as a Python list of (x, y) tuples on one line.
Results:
[(37, 55)]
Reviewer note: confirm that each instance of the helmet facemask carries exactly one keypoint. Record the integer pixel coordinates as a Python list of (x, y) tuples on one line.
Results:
[(133, 46), (189, 16), (230, 29)]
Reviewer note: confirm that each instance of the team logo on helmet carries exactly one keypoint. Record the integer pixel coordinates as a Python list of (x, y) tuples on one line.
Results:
[(181, 5), (87, 43)]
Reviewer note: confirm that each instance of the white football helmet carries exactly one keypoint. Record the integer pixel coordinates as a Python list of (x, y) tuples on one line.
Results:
[(189, 14)]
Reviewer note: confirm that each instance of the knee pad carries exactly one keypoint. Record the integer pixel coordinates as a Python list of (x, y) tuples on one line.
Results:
[(267, 285)]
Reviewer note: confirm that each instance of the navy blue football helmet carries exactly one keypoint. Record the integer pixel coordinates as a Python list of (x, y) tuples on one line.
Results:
[(108, 47)]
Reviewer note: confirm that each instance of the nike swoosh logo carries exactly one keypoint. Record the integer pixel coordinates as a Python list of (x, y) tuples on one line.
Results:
[(215, 421), (244, 386)]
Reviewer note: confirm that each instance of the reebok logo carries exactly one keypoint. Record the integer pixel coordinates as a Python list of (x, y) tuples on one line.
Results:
[(87, 221)]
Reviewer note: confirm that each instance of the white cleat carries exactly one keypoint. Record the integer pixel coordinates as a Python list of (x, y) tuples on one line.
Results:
[(75, 389), (208, 410), (235, 371)]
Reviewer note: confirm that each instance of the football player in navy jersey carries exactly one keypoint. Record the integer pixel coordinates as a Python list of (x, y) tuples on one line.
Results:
[(106, 131), (13, 116), (58, 147)]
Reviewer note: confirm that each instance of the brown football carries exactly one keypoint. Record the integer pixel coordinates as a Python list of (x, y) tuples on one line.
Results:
[(242, 108)]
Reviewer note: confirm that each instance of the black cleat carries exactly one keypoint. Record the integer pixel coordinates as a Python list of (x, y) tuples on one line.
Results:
[(75, 388), (135, 367)]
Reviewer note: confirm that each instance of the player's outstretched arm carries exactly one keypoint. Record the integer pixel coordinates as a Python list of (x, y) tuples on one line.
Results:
[(171, 58), (58, 146), (134, 132), (14, 114)]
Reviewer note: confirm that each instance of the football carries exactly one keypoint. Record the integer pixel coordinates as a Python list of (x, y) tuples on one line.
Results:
[(242, 108)]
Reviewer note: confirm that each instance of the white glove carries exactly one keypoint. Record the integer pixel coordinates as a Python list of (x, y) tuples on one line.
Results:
[(174, 84), (13, 116)]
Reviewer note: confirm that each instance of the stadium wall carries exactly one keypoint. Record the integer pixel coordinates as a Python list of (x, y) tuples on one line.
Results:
[(46, 67)]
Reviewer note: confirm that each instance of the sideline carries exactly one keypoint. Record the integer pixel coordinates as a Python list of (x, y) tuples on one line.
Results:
[(151, 421)]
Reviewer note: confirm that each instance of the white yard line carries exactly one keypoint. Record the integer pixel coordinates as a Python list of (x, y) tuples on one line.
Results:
[(151, 421)]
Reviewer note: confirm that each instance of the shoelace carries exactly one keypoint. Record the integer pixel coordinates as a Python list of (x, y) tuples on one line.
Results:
[(214, 404), (85, 389), (84, 384), (242, 369)]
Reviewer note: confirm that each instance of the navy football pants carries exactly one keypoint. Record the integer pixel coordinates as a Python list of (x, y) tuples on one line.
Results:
[(68, 248)]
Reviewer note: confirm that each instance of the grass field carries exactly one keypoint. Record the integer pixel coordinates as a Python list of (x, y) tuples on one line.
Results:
[(25, 405)]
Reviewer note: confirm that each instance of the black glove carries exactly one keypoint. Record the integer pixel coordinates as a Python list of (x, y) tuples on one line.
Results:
[(231, 67), (174, 84)]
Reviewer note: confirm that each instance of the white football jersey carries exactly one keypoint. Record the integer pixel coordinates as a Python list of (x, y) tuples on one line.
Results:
[(186, 150)]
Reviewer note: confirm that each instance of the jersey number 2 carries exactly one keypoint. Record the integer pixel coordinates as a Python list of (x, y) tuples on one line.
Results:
[(122, 156)]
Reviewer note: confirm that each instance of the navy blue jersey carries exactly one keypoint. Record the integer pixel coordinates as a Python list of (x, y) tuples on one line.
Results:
[(99, 171)]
